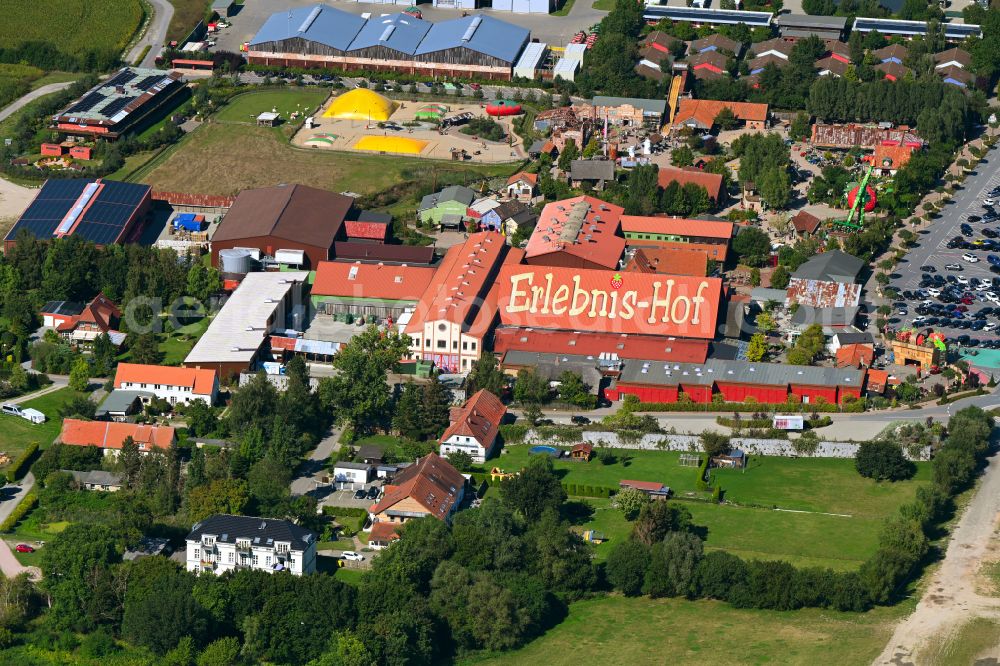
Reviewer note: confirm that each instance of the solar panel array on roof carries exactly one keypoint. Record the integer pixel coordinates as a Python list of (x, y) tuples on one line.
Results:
[(89, 101), (116, 105), (102, 222), (148, 82), (121, 78), (716, 16)]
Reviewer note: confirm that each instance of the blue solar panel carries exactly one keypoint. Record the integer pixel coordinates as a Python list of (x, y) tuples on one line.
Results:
[(116, 105), (88, 102)]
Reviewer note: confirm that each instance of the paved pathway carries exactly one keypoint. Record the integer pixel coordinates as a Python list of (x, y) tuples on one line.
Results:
[(155, 34), (57, 383), (309, 472), (17, 104)]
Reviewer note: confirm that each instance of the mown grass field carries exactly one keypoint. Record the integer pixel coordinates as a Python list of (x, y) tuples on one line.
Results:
[(811, 512), (231, 155), (72, 25), (18, 432), (187, 13), (618, 630)]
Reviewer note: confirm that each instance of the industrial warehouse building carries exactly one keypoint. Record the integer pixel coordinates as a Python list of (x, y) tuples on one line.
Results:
[(294, 220), (321, 36), (100, 211), (124, 103), (368, 290)]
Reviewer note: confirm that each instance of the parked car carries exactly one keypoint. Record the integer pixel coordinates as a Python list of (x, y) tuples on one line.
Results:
[(579, 420), (351, 556), (24, 548), (373, 493), (360, 494), (971, 258), (929, 269), (953, 267), (25, 413)]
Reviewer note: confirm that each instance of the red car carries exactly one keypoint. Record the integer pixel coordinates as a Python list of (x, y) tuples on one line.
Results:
[(24, 548)]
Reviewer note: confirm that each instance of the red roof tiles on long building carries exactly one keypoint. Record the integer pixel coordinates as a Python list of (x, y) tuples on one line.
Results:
[(582, 226), (396, 283), (645, 347)]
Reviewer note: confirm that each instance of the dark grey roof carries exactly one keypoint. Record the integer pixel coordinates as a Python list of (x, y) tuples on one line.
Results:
[(352, 465), (119, 400), (659, 373), (370, 451), (763, 295), (550, 366), (834, 266), (806, 315), (592, 170), (96, 477), (458, 193), (851, 338), (69, 308), (648, 106), (372, 216), (698, 15), (261, 531)]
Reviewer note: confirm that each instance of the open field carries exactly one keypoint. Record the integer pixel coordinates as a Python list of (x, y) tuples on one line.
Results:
[(830, 516), (18, 433), (227, 157), (245, 108), (617, 630), (73, 26), (975, 642)]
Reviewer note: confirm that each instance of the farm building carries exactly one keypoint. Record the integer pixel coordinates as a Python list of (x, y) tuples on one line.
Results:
[(302, 219), (368, 290), (125, 103), (656, 381), (827, 280), (674, 232), (599, 345), (701, 113), (325, 37), (865, 136), (629, 111), (458, 309), (383, 253), (100, 211), (237, 337), (582, 232), (451, 202)]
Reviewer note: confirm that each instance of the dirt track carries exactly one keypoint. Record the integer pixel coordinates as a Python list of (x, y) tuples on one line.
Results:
[(951, 598)]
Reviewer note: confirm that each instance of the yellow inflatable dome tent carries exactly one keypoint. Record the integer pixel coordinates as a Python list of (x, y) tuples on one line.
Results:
[(360, 104)]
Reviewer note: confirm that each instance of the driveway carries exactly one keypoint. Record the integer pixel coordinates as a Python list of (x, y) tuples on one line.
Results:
[(155, 35), (11, 568), (308, 475), (8, 110), (58, 382)]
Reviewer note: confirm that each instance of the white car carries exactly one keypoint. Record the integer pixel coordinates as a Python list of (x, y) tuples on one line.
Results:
[(988, 202), (961, 280), (971, 258), (933, 292), (351, 556), (991, 297), (990, 326)]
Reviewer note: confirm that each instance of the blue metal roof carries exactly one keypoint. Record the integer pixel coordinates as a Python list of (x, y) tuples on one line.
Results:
[(319, 23), (480, 33), (713, 16), (395, 31), (103, 220)]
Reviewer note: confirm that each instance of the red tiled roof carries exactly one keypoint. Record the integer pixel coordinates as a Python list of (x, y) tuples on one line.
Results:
[(672, 260), (712, 182), (479, 418), (200, 381), (892, 156), (705, 111), (111, 435), (369, 230), (648, 486), (606, 301), (100, 312), (677, 226), (855, 355), (877, 379), (431, 481), (530, 178), (644, 347), (383, 531), (585, 447), (805, 222), (581, 226), (395, 283)]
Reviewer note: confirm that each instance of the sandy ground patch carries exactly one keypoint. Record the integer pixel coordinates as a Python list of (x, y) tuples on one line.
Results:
[(14, 199)]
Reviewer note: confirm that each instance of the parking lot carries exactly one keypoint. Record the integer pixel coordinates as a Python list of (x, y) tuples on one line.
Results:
[(946, 282)]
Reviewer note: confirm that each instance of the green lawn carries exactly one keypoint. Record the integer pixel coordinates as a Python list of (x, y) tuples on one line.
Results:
[(18, 433), (246, 107), (617, 630), (350, 576), (54, 77)]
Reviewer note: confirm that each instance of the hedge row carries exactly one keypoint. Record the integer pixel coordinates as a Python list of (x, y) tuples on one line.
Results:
[(958, 396), (345, 511), (20, 464), (736, 407), (29, 502), (743, 423), (513, 433), (700, 482), (580, 490)]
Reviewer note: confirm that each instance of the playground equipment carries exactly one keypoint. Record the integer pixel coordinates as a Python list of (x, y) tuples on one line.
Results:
[(503, 107), (861, 199)]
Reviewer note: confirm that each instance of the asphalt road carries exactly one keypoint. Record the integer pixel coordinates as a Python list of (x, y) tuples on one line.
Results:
[(18, 104), (155, 35), (932, 251)]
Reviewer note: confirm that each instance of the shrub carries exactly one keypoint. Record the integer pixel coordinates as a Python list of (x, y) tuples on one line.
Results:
[(513, 433), (29, 502), (18, 466), (882, 460)]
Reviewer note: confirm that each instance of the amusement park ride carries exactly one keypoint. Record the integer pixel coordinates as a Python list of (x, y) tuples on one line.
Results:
[(861, 200)]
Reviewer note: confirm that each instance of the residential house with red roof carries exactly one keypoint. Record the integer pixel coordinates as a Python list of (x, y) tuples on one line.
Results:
[(458, 309), (805, 224), (701, 113), (712, 182), (429, 487), (110, 436), (81, 323), (522, 186), (581, 232), (176, 385), (382, 535), (368, 290), (474, 427)]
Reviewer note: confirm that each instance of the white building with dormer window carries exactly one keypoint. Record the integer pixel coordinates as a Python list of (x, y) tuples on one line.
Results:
[(223, 543)]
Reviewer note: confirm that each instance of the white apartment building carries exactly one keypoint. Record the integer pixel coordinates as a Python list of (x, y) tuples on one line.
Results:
[(223, 543), (178, 386)]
